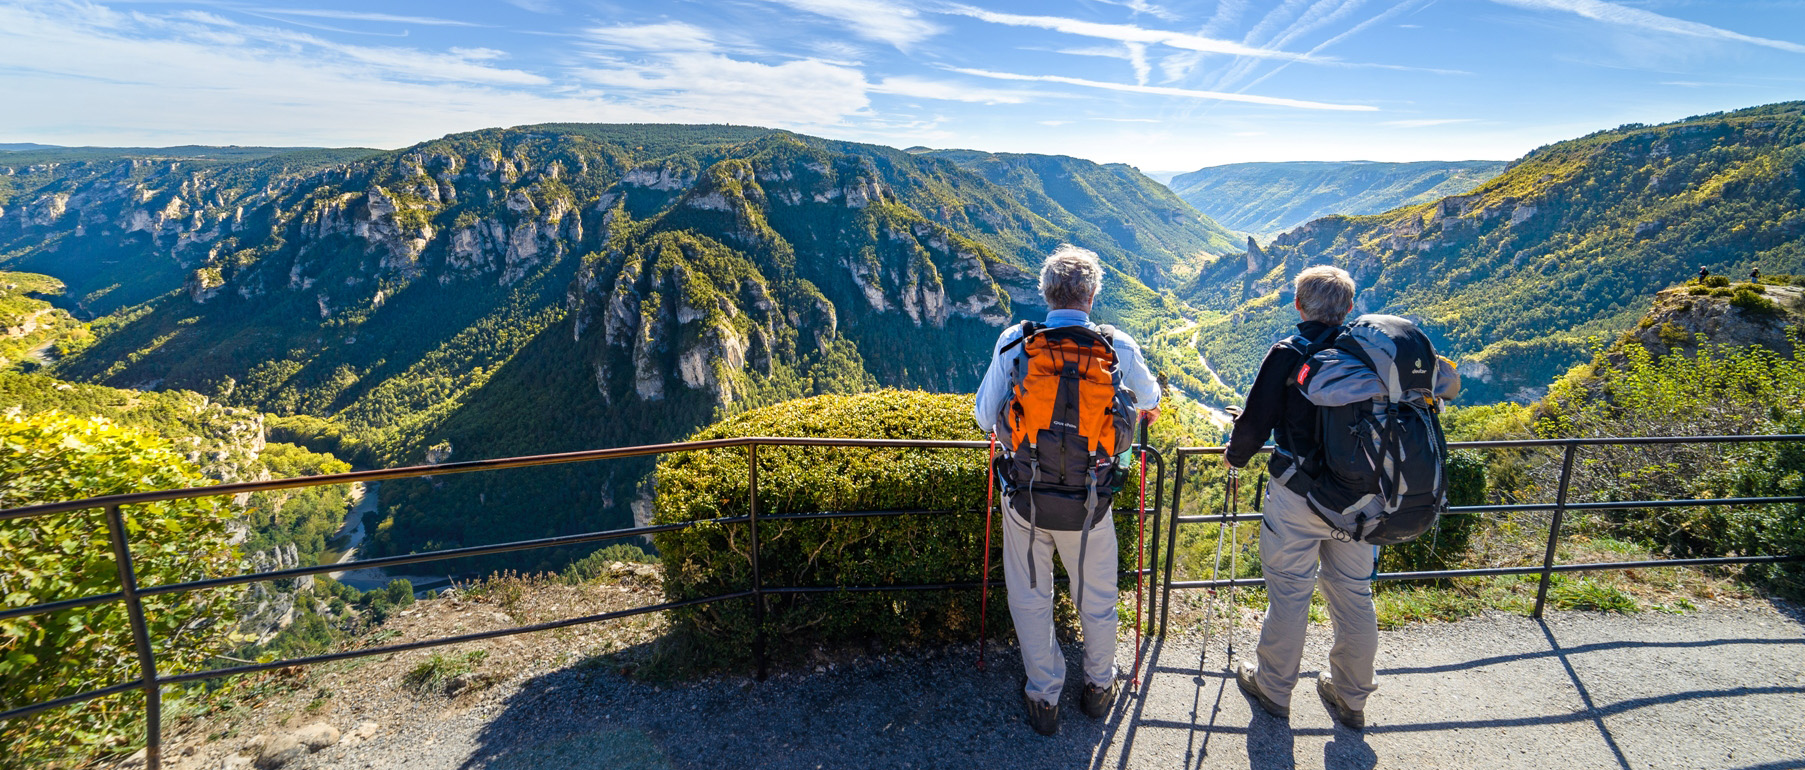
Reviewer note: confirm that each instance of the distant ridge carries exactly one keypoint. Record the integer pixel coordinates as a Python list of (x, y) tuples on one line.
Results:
[(1569, 242), (1265, 199)]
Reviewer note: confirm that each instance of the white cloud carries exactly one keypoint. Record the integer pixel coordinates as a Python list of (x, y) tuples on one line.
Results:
[(1166, 91), (363, 16), (1137, 58), (909, 85), (1611, 13), (85, 74), (888, 22), (1142, 6), (1122, 33), (792, 93), (670, 36)]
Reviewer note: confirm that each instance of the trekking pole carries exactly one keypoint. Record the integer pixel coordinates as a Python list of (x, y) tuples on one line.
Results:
[(1209, 612), (1234, 590), (1140, 560), (984, 592)]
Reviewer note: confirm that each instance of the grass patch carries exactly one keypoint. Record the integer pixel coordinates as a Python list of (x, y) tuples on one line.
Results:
[(435, 671), (1589, 594)]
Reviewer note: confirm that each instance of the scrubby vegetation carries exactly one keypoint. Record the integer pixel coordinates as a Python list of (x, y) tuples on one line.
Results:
[(53, 457), (944, 546)]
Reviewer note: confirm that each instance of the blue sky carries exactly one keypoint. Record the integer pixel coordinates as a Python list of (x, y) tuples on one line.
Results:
[(1167, 85)]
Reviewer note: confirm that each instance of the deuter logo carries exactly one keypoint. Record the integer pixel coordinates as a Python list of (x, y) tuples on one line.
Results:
[(1419, 368)]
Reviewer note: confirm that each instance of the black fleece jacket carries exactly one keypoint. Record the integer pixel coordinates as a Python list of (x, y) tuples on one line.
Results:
[(1274, 408)]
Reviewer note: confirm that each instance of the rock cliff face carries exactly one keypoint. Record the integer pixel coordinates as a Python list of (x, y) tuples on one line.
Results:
[(1680, 320)]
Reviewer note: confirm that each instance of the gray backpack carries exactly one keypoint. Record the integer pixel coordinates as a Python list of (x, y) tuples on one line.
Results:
[(1382, 475)]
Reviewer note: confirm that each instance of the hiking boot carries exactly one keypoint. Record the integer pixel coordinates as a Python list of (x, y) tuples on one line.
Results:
[(1043, 717), (1352, 719), (1098, 700), (1244, 676)]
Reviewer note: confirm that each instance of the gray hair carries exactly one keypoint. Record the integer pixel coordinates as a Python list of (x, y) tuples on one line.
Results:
[(1071, 277), (1325, 293)]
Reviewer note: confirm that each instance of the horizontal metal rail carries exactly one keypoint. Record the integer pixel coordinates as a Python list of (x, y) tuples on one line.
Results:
[(1559, 507), (1560, 442), (470, 466), (1526, 570)]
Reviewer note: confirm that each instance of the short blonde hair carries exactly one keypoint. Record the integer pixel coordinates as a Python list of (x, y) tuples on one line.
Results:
[(1325, 293), (1070, 277)]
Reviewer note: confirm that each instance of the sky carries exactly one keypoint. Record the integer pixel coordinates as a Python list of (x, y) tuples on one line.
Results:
[(1166, 85)]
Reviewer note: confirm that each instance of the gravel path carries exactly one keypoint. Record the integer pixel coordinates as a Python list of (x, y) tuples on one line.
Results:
[(1713, 688)]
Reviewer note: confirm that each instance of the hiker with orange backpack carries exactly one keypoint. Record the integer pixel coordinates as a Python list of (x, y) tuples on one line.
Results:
[(1063, 398)]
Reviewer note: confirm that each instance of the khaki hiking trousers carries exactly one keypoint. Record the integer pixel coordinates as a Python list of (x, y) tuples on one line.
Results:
[(1031, 607), (1292, 543)]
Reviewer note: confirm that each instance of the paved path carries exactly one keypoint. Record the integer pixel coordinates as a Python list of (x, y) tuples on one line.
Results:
[(1710, 689)]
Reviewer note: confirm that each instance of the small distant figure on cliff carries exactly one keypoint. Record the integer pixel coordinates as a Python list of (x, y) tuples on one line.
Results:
[(1703, 273), (1755, 275), (1062, 397)]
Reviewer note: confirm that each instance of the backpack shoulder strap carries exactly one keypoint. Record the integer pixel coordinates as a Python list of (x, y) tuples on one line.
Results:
[(1306, 349), (1029, 329)]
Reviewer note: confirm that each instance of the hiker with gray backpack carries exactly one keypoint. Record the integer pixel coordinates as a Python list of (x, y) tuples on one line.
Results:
[(1359, 461)]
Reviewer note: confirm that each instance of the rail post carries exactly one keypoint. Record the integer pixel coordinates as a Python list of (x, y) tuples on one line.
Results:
[(1178, 486), (1554, 529), (147, 662), (758, 585)]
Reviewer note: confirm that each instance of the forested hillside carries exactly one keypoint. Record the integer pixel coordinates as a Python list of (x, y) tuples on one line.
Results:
[(1265, 199), (1569, 242), (1114, 200), (563, 287)]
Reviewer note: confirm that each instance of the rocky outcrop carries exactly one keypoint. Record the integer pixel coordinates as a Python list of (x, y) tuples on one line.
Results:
[(1681, 321)]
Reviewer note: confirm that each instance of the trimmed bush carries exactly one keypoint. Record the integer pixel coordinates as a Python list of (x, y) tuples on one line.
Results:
[(1442, 547), (713, 559)]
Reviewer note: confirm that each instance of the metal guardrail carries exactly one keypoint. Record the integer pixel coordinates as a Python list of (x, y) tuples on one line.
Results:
[(150, 681), (1560, 506)]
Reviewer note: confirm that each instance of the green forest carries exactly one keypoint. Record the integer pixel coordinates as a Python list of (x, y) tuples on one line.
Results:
[(1568, 243)]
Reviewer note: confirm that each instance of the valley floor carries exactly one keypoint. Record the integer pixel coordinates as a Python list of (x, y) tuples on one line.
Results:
[(1720, 687)]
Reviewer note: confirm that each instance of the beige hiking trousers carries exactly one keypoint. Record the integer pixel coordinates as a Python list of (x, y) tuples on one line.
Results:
[(1031, 606), (1292, 543)]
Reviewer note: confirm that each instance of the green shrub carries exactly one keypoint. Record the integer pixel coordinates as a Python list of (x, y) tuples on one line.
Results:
[(712, 559), (1753, 287), (1752, 303), (1717, 281), (1442, 547), (1722, 292), (50, 457), (596, 564), (1698, 291)]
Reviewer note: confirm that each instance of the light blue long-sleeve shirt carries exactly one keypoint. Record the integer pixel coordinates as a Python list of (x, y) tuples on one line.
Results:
[(994, 391)]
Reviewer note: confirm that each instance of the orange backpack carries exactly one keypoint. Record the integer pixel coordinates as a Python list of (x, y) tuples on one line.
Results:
[(1067, 419)]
